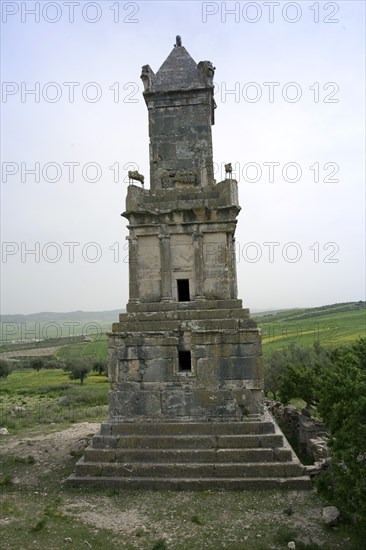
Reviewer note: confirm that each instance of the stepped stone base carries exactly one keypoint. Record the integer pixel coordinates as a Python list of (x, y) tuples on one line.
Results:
[(194, 456)]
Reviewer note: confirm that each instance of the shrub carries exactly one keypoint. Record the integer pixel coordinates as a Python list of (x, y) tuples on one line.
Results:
[(299, 372), (53, 363), (292, 372), (79, 369), (5, 368), (100, 366), (342, 405), (37, 363), (335, 381)]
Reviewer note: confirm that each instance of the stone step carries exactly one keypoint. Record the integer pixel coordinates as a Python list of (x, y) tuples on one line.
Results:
[(297, 483), (181, 306), (185, 315), (187, 455), (182, 428), (264, 441), (191, 470), (170, 325)]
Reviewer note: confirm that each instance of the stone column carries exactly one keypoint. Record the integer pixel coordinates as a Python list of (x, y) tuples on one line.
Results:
[(231, 263), (165, 267), (198, 263), (133, 268)]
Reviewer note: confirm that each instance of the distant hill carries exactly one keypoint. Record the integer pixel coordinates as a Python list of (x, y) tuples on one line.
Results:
[(56, 317), (41, 327)]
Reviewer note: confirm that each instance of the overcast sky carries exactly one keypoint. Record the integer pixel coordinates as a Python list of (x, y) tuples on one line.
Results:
[(290, 117)]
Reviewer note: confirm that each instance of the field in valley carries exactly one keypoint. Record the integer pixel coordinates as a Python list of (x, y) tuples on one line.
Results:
[(331, 325)]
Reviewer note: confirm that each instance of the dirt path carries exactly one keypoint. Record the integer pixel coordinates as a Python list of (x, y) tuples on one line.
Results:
[(50, 452), (35, 352)]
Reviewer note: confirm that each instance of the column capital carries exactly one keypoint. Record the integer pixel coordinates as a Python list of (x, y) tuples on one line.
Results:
[(162, 236), (197, 235), (132, 238)]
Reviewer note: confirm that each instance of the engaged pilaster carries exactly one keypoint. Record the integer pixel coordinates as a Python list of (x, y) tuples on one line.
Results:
[(165, 262), (198, 263), (133, 268), (232, 266)]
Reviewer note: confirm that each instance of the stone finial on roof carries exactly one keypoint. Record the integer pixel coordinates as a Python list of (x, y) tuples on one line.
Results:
[(178, 41)]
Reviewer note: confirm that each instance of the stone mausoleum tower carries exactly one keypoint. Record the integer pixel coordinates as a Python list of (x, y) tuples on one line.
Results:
[(185, 361)]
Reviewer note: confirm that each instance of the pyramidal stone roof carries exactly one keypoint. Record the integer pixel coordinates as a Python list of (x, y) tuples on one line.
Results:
[(178, 71)]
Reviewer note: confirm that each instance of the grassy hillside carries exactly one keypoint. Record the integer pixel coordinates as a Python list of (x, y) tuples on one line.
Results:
[(96, 349), (332, 325)]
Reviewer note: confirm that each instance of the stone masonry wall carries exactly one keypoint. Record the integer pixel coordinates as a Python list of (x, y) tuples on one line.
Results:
[(224, 381)]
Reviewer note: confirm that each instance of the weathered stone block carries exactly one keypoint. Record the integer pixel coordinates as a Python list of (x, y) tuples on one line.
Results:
[(176, 403), (87, 469), (239, 368), (158, 370), (99, 455), (131, 370)]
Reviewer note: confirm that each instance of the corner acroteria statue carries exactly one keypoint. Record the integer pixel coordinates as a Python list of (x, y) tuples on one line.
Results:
[(185, 361)]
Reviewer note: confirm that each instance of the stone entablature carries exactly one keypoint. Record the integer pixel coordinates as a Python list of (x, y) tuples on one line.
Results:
[(219, 195)]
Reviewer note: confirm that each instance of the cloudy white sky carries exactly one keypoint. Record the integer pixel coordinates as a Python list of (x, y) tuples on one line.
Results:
[(295, 71)]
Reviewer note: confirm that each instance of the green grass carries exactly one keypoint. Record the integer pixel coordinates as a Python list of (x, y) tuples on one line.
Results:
[(331, 325), (50, 397), (96, 349), (27, 381), (70, 348)]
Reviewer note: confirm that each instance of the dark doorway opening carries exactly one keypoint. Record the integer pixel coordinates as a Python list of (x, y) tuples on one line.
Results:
[(184, 360), (183, 290)]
